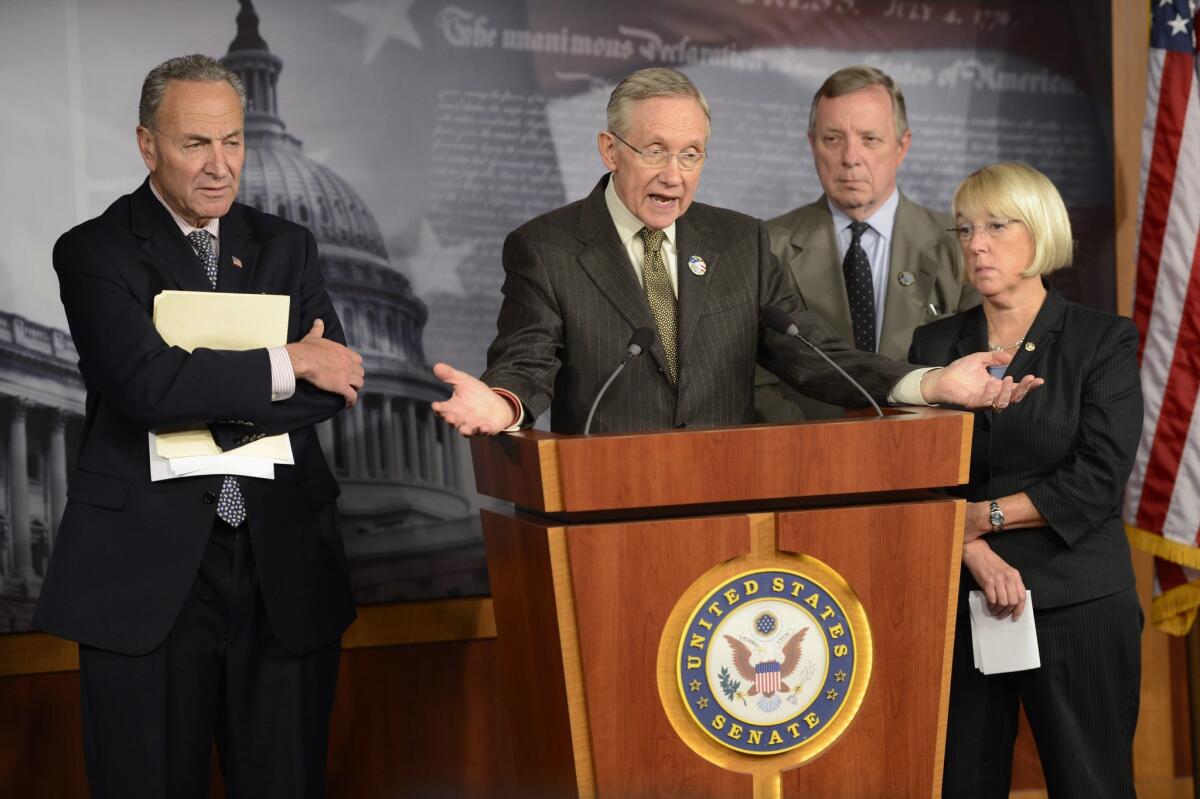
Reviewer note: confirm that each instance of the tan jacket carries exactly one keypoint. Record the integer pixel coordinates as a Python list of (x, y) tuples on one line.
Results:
[(924, 255)]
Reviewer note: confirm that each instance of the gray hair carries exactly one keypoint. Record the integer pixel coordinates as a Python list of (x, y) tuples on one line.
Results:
[(852, 79), (647, 83), (196, 67)]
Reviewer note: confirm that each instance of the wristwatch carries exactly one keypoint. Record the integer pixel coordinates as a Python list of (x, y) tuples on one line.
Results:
[(995, 516)]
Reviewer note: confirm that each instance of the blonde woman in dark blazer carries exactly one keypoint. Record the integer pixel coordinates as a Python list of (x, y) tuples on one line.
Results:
[(1043, 503)]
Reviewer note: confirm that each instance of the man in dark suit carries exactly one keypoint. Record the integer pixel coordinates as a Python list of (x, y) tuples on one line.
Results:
[(203, 606), (637, 252), (911, 266)]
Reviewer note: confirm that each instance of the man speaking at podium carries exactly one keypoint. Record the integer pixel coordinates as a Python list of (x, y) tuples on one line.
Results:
[(636, 254), (203, 606)]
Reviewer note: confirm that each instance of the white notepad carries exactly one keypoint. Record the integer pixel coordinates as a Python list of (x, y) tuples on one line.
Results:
[(1003, 645)]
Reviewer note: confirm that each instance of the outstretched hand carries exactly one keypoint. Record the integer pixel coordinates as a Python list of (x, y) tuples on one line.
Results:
[(473, 408), (326, 364), (966, 383)]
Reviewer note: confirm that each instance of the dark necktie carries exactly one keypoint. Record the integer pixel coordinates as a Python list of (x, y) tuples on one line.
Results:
[(230, 505), (660, 296), (859, 289)]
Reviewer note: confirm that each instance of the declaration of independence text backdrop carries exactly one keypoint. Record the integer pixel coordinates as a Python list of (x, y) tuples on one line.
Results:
[(411, 135)]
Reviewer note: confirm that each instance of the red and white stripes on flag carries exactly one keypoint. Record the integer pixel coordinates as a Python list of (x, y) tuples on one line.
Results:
[(1162, 500), (766, 677)]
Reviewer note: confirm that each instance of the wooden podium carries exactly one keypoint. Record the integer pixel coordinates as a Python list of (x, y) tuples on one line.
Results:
[(613, 541)]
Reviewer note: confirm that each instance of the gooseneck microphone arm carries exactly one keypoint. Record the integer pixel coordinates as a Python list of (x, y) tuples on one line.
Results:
[(777, 319), (639, 342)]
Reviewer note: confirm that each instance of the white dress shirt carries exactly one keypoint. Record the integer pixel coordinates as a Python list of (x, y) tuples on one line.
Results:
[(629, 226), (877, 242)]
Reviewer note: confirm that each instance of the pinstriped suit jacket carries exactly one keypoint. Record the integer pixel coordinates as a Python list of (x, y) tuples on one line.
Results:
[(1070, 445), (572, 301)]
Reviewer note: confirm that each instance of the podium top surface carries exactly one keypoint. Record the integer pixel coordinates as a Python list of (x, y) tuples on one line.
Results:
[(908, 449)]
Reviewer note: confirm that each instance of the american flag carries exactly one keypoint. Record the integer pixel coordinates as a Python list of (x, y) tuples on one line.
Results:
[(1162, 501)]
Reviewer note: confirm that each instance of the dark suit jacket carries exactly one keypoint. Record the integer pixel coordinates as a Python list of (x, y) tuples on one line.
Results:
[(128, 549), (805, 242), (572, 300), (1069, 445)]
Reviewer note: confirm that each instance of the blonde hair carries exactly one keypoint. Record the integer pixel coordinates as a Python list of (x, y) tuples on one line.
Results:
[(1013, 190)]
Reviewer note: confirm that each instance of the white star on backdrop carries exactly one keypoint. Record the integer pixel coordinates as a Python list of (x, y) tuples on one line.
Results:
[(1178, 25), (383, 20), (434, 267)]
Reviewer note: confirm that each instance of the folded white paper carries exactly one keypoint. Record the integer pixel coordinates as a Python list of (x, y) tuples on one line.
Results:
[(170, 468), (223, 321), (216, 464), (1003, 645)]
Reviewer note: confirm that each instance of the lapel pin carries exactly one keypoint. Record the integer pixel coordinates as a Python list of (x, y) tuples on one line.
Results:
[(906, 278), (697, 265), (1030, 346), (237, 262)]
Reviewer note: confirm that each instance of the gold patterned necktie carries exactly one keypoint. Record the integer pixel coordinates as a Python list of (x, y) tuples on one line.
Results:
[(660, 295)]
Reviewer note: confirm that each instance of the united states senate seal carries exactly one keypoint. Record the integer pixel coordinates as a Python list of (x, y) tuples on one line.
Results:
[(768, 660)]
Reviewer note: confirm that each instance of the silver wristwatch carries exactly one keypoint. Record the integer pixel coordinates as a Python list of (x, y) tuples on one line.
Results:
[(995, 516)]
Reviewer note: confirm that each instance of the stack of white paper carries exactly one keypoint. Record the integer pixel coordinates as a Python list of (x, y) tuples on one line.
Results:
[(190, 319), (235, 461), (1003, 645)]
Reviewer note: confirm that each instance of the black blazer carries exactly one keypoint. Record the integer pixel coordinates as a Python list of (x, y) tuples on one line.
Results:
[(128, 549), (572, 301), (1069, 445)]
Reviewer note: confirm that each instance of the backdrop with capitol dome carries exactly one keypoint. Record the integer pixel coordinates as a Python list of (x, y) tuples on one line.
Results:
[(410, 136)]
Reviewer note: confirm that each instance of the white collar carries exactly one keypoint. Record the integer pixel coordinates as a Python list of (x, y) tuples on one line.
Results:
[(627, 224), (213, 226), (883, 221)]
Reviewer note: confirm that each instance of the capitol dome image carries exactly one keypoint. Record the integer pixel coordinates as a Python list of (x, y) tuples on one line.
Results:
[(408, 522)]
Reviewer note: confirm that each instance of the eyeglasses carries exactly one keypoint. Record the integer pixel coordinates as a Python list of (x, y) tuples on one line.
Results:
[(994, 229), (655, 156)]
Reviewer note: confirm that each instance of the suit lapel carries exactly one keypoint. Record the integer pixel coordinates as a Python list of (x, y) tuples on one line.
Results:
[(813, 249), (607, 264), (972, 335), (692, 239), (236, 243), (905, 308), (164, 244), (1042, 334)]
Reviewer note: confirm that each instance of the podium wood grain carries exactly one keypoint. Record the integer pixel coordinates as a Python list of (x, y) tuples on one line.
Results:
[(627, 578), (551, 473), (538, 685), (610, 531), (903, 562)]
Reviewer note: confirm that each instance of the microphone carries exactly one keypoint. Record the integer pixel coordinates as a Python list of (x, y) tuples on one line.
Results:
[(777, 319), (641, 340)]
